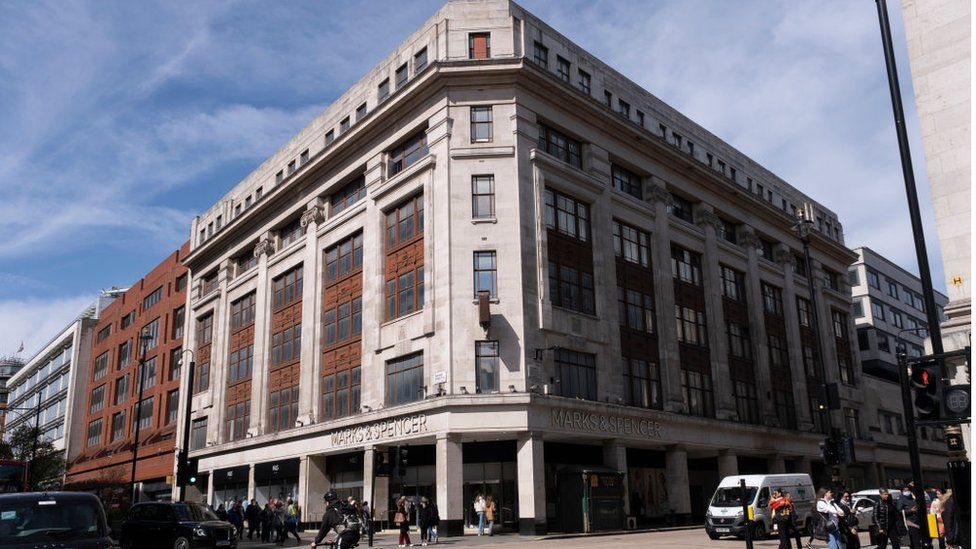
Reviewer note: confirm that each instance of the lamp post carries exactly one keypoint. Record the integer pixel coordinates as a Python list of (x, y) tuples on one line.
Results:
[(183, 457), (144, 338)]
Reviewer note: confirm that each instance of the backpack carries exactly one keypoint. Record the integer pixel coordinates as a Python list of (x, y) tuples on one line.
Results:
[(351, 526), (819, 526)]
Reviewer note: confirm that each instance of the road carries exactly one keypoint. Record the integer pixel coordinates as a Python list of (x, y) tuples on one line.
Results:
[(684, 539)]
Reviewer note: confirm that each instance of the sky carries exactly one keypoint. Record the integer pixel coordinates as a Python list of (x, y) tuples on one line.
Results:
[(120, 121)]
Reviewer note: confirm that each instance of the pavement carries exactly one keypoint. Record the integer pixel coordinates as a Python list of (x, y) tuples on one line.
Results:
[(686, 538)]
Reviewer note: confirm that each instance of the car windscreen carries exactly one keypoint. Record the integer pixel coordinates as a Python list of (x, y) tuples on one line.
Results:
[(729, 497), (193, 512), (49, 520)]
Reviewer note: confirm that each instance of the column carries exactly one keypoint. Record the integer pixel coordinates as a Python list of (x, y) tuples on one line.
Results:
[(679, 491), (312, 485), (828, 343), (672, 397), (450, 484), (728, 464), (218, 354), (250, 483), (758, 325), (531, 484), (210, 487), (777, 464), (784, 256), (717, 342), (615, 457), (262, 335), (309, 385), (803, 465)]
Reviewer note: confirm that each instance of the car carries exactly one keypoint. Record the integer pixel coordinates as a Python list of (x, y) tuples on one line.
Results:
[(725, 516), (175, 525), (53, 519), (863, 503)]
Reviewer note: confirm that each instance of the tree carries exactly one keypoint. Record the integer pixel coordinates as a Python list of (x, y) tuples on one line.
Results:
[(45, 466)]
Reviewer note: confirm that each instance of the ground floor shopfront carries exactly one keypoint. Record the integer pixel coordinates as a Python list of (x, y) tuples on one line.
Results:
[(517, 449)]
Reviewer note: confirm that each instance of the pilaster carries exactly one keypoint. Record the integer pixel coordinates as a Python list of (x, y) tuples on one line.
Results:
[(717, 342), (262, 336), (679, 492), (531, 478), (672, 397), (311, 297), (754, 300), (785, 257), (450, 485)]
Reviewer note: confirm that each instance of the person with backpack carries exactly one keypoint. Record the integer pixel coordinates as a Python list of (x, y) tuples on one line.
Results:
[(291, 522), (849, 523), (278, 518), (782, 510), (435, 521), (424, 519), (886, 518), (830, 514), (343, 519)]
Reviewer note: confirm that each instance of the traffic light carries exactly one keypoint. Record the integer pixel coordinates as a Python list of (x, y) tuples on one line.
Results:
[(188, 473), (381, 463), (829, 451), (402, 457), (925, 387), (956, 401)]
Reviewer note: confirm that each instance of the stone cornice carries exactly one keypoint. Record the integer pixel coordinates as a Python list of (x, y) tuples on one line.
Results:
[(660, 194), (708, 217)]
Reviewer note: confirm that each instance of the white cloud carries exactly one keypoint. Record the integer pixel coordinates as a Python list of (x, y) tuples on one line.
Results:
[(35, 321)]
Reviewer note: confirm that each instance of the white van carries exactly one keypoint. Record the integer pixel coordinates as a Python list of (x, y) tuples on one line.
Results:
[(725, 516)]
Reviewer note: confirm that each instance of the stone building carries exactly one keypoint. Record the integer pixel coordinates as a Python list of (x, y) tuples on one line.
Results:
[(100, 454), (645, 308)]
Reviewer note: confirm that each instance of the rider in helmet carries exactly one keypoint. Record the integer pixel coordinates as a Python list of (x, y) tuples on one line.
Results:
[(334, 519)]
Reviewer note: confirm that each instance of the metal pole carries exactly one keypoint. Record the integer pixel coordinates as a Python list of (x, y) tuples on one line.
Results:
[(909, 410), (184, 455), (37, 435), (745, 512), (137, 419), (372, 500)]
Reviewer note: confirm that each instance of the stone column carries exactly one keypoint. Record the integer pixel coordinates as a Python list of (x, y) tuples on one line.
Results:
[(615, 457), (672, 397), (218, 354), (777, 464), (250, 483), (803, 465), (313, 483), (728, 464), (309, 384), (450, 485), (262, 335), (757, 328), (784, 255), (828, 343), (717, 342), (679, 491), (532, 485), (210, 487)]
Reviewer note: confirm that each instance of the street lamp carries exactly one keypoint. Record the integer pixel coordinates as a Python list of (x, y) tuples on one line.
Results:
[(183, 458), (144, 338)]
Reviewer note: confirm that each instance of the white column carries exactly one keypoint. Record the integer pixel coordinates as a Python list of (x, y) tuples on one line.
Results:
[(532, 484), (250, 483), (728, 464), (311, 358), (210, 487), (262, 336), (313, 483), (218, 355), (615, 457), (679, 491), (672, 397), (450, 485)]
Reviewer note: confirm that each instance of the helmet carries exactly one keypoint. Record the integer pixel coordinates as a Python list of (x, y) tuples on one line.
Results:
[(331, 496)]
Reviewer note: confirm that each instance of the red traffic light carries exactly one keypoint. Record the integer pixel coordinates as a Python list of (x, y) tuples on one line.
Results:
[(924, 375)]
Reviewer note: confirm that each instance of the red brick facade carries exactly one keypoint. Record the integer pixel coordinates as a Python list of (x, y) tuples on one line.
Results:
[(111, 392)]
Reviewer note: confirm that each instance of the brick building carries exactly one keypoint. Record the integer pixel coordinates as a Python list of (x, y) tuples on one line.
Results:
[(102, 455)]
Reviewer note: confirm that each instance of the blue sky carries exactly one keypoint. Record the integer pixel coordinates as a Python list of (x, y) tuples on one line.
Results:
[(122, 120)]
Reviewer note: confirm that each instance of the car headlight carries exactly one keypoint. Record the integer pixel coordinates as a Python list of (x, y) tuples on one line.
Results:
[(199, 532), (740, 514), (708, 514)]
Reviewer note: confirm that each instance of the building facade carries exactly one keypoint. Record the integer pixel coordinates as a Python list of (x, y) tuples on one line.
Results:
[(497, 253), (101, 456), (8, 367)]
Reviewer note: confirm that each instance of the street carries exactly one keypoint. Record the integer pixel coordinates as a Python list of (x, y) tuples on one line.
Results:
[(686, 539)]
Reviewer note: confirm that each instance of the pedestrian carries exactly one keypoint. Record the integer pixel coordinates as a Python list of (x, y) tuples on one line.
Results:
[(402, 520), (886, 518), (367, 518), (253, 513), (909, 517), (479, 509), (832, 515), (423, 520), (849, 523), (291, 522), (490, 512), (794, 526), (782, 510), (279, 522), (935, 509), (267, 519), (434, 522), (298, 515), (950, 519), (222, 512)]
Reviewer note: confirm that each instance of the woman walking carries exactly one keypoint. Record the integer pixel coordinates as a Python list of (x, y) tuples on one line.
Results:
[(849, 524), (402, 519), (423, 521), (782, 509), (479, 509), (832, 515), (490, 512)]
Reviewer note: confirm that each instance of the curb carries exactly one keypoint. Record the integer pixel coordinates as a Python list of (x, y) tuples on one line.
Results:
[(620, 532)]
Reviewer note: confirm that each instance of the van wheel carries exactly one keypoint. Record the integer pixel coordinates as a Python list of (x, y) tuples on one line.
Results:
[(759, 531), (181, 543), (127, 544)]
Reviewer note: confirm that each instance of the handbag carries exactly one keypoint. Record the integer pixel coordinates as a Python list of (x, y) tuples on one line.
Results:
[(398, 518)]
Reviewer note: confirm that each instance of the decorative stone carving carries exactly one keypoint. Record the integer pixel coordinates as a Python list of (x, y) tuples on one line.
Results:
[(748, 239), (265, 246), (312, 215), (660, 194), (708, 217), (785, 257)]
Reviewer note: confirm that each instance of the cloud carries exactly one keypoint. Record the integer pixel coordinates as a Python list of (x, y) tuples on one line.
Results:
[(35, 321)]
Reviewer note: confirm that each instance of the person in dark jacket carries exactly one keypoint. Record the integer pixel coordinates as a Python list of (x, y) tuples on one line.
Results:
[(886, 518), (221, 512), (848, 524), (253, 513), (333, 519), (424, 519), (267, 519), (950, 520), (909, 524), (236, 517)]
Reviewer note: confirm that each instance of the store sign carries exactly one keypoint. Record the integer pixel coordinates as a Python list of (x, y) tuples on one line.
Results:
[(381, 430), (591, 422)]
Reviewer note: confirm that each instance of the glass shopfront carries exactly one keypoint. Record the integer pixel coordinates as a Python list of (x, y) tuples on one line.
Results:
[(276, 480), (490, 469), (230, 485), (345, 472)]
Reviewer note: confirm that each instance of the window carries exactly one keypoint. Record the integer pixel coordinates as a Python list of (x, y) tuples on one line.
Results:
[(852, 423), (726, 231), (854, 277), (208, 283), (685, 265), (623, 108), (286, 345), (329, 138), (584, 81), (631, 244), (858, 308), (799, 264), (483, 196), (559, 145), (383, 90), (343, 322), (144, 413), (204, 330), (242, 311), (486, 366), (405, 293), (677, 139), (128, 319), (259, 192), (643, 382), (420, 60), (541, 55), (481, 124), (151, 330), (291, 232), (570, 288), (341, 393), (152, 298), (640, 121), (840, 324), (697, 389), (803, 312), (740, 344), (883, 343), (241, 364), (148, 373), (344, 258), (292, 168), (404, 379), (567, 215), (779, 354), (280, 176), (236, 420), (407, 153), (118, 425), (360, 114), (732, 173), (626, 181), (680, 207), (283, 409), (94, 433), (485, 273), (746, 401), (479, 45), (287, 288), (877, 310), (785, 409), (401, 76), (121, 390), (721, 166), (101, 366), (710, 159), (810, 361), (104, 333), (577, 374), (562, 68), (179, 318), (691, 326), (874, 280), (245, 262), (765, 248), (125, 354), (772, 299), (303, 157), (733, 284), (172, 405), (608, 98), (97, 401), (832, 280), (175, 364), (896, 319), (405, 222), (198, 433), (348, 195), (636, 310), (344, 125)]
